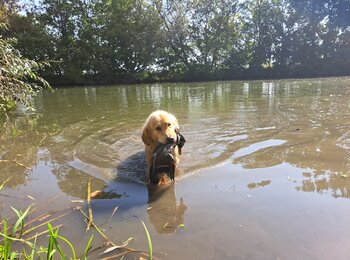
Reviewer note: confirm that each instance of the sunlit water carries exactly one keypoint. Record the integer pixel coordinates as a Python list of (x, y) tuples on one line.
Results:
[(265, 171)]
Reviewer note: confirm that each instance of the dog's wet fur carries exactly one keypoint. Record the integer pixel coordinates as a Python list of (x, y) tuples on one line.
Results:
[(161, 129)]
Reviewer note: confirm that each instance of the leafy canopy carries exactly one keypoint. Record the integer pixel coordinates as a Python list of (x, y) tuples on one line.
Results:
[(19, 79)]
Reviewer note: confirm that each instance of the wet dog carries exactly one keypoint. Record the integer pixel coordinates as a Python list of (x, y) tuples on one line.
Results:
[(163, 143)]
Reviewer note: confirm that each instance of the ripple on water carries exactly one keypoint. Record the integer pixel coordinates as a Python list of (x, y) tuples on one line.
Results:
[(344, 141), (118, 152), (257, 147), (122, 153)]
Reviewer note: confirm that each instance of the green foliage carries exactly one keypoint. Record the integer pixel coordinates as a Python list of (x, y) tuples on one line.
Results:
[(132, 28), (13, 234), (54, 243), (105, 41), (18, 232), (19, 80), (6, 251), (149, 240)]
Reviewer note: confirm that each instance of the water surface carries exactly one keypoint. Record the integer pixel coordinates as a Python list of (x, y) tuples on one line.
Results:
[(264, 173)]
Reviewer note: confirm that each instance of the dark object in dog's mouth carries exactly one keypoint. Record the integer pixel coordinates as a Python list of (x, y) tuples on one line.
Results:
[(163, 160)]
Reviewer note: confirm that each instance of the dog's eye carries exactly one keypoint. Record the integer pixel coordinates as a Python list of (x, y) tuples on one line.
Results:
[(158, 128), (169, 124)]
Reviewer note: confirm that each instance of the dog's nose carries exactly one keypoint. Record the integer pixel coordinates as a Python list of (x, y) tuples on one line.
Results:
[(170, 140)]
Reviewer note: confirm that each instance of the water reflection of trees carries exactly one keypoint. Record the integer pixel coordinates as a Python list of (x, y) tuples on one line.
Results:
[(254, 185), (74, 182), (19, 144), (314, 122), (24, 141), (338, 185), (218, 119)]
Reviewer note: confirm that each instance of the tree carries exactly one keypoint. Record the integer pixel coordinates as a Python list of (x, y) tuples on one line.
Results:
[(261, 31), (175, 55), (330, 21), (19, 80), (129, 37), (199, 35), (214, 30), (105, 41), (60, 19)]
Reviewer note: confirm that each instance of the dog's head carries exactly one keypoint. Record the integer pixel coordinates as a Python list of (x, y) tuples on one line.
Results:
[(160, 127)]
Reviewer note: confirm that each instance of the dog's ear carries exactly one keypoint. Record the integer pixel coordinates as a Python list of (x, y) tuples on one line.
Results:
[(176, 124), (146, 135)]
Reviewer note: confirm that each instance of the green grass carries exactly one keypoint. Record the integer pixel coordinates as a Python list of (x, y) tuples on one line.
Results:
[(24, 236), (13, 234), (57, 246), (149, 240)]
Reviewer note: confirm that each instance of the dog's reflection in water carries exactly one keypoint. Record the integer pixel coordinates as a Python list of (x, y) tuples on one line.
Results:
[(164, 212)]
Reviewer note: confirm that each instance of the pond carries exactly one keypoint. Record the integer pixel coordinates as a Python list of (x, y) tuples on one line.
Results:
[(265, 171)]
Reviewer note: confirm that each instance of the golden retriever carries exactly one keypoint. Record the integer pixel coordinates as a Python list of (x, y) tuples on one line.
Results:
[(160, 127)]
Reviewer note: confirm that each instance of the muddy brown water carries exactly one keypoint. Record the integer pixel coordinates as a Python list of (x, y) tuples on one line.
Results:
[(265, 172)]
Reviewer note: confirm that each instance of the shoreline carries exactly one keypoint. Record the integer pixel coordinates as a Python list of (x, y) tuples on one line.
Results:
[(123, 83)]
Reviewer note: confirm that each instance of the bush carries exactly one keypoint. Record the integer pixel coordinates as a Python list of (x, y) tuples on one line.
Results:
[(19, 79)]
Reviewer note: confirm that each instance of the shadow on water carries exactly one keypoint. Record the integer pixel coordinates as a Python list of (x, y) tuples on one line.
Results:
[(164, 212), (132, 169), (126, 190)]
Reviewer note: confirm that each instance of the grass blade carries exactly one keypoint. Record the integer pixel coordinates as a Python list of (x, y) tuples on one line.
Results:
[(124, 245), (3, 184), (5, 242), (150, 248), (50, 250), (68, 243), (33, 250), (98, 230), (88, 247), (89, 206), (20, 220), (53, 236)]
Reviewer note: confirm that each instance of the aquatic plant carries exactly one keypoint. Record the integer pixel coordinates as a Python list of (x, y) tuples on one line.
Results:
[(150, 247), (11, 234), (25, 235)]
